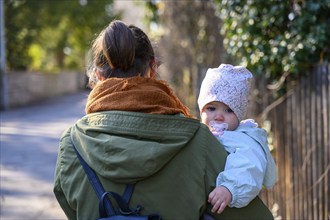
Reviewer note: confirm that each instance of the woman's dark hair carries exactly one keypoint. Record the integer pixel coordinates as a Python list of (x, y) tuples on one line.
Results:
[(121, 51)]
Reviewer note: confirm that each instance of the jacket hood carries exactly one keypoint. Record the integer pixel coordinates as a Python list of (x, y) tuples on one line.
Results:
[(129, 146)]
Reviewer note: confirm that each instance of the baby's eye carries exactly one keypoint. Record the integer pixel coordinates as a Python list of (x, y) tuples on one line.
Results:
[(210, 108), (229, 110)]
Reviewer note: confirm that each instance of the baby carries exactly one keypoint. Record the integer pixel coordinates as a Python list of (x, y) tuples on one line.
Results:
[(223, 101)]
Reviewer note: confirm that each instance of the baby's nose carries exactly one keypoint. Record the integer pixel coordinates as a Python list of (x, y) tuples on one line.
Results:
[(219, 117)]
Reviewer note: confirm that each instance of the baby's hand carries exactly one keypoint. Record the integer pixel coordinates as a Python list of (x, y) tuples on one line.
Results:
[(220, 197)]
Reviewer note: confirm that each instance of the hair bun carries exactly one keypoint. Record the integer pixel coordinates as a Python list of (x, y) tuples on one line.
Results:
[(119, 45)]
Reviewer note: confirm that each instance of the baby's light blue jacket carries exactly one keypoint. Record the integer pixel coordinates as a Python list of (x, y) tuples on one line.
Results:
[(249, 165)]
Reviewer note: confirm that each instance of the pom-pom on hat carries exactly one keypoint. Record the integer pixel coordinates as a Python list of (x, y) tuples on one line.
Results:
[(228, 84)]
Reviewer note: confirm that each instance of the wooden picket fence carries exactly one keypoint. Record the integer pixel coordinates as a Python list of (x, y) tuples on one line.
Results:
[(300, 136)]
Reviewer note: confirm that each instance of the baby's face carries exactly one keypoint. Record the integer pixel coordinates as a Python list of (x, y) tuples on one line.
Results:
[(221, 113)]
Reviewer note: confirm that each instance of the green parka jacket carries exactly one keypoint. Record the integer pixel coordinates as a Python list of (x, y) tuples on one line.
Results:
[(173, 160)]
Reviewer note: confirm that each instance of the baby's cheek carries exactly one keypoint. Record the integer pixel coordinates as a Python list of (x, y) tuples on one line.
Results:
[(204, 118)]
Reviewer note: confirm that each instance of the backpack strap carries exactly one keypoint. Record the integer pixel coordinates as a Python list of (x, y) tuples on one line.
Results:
[(94, 180), (105, 207)]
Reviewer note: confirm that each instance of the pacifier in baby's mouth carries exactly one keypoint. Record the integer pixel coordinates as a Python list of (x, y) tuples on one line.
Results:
[(218, 128)]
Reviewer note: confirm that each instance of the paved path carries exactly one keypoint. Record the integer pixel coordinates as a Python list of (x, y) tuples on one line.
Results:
[(28, 149)]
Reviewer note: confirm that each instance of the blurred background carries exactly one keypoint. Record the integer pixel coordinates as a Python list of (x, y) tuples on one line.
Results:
[(286, 44)]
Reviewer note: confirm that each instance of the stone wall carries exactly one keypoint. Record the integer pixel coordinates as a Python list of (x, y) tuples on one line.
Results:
[(25, 88)]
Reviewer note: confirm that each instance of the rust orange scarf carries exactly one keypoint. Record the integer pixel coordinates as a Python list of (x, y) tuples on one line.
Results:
[(136, 94)]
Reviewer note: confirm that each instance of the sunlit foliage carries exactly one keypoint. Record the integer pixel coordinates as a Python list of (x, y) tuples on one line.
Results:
[(275, 38), (48, 35)]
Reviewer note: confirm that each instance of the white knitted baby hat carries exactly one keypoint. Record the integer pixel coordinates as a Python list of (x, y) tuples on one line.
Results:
[(228, 84)]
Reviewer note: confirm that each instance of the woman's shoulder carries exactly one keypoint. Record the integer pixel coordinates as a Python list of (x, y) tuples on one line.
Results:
[(139, 119)]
